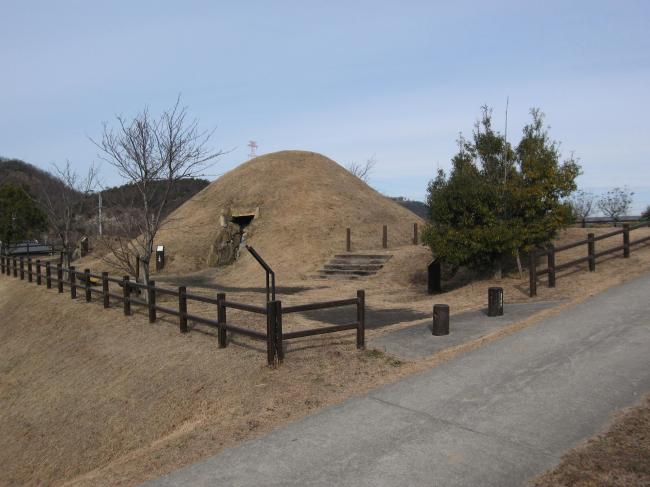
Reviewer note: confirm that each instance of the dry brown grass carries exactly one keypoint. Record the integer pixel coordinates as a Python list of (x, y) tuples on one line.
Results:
[(620, 457), (88, 397)]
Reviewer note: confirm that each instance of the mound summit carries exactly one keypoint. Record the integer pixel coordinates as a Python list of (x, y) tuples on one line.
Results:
[(292, 206)]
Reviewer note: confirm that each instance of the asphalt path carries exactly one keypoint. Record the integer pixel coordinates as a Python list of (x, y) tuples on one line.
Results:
[(495, 416)]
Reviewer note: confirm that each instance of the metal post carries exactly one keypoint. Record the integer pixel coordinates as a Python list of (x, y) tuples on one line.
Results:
[(221, 320), (495, 301), (591, 250), (38, 272), (151, 299), (348, 239), (550, 263), (270, 333), (384, 237), (278, 331), (72, 275), (182, 308), (87, 285), (361, 319), (105, 296), (59, 277), (48, 275), (126, 294), (440, 320), (626, 240), (532, 273)]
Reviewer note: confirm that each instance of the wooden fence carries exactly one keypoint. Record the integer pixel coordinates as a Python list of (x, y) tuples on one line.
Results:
[(384, 237), (590, 243), (129, 290)]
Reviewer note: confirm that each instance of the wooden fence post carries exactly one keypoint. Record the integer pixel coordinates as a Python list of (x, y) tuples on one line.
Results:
[(278, 331), (271, 322), (182, 308), (2, 264), (87, 285), (29, 269), (105, 296), (626, 240), (22, 269), (415, 234), (221, 320), (126, 294), (48, 275), (591, 252), (532, 273), (72, 275), (15, 268), (38, 272), (348, 240), (550, 256), (151, 299), (59, 277), (361, 319), (384, 237)]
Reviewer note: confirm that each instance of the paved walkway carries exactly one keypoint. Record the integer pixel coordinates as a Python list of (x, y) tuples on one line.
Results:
[(495, 416)]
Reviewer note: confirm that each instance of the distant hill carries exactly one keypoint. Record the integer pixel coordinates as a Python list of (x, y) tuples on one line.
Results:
[(417, 207), (21, 173)]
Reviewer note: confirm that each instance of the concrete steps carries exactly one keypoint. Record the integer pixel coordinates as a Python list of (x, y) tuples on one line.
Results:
[(353, 266)]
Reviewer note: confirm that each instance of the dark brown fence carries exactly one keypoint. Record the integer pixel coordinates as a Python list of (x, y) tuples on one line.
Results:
[(590, 257), (132, 293), (384, 237)]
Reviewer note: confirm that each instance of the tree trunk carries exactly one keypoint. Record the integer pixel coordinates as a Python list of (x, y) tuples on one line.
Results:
[(498, 270), (519, 267)]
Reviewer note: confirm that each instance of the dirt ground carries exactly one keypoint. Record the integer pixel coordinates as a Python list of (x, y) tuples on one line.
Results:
[(89, 397), (619, 457)]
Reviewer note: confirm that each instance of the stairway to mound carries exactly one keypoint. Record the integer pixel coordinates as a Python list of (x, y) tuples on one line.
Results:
[(353, 266)]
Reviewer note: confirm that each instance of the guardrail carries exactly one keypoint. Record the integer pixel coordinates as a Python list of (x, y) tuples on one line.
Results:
[(274, 336), (551, 251)]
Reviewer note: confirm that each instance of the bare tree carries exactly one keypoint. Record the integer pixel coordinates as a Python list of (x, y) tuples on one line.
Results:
[(582, 205), (153, 155), (615, 203), (362, 170), (65, 204)]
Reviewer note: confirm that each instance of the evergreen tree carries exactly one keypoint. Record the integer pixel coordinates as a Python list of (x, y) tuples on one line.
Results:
[(20, 217)]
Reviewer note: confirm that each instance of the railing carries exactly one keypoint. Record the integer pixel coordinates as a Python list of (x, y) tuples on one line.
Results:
[(274, 336), (550, 252), (384, 237)]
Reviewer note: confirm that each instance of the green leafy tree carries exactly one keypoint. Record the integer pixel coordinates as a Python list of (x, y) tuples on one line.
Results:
[(20, 216), (498, 200)]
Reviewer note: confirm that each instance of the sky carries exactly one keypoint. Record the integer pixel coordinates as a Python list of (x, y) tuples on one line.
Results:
[(349, 79)]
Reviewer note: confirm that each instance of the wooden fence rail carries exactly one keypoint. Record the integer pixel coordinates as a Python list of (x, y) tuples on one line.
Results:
[(590, 242), (384, 237), (130, 292)]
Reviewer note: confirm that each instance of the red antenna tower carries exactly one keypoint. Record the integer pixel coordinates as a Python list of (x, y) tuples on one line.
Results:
[(253, 146)]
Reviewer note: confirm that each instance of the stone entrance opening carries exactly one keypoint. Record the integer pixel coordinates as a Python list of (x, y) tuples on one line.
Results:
[(242, 220)]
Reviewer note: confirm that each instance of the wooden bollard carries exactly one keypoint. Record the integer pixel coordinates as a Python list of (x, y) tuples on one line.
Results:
[(151, 300), (105, 297), (626, 240), (348, 239), (48, 275), (29, 269), (440, 320), (72, 274), (126, 295), (550, 263), (384, 237), (532, 273), (87, 285), (182, 308), (591, 251), (38, 272), (495, 301), (221, 320), (361, 319), (59, 278)]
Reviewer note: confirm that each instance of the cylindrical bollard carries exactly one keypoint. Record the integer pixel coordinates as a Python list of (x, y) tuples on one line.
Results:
[(440, 319), (495, 301)]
